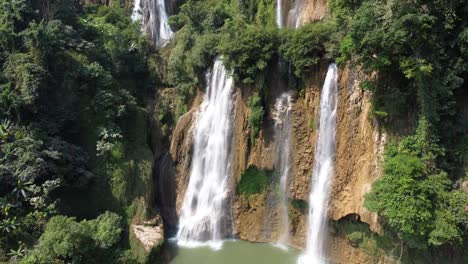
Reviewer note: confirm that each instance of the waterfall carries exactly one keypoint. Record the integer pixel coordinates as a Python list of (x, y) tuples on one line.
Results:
[(279, 13), (323, 171), (136, 12), (204, 210), (297, 13), (153, 16), (282, 143), (292, 16)]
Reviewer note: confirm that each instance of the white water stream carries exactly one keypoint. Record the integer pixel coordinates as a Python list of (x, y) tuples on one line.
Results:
[(205, 208), (292, 15), (283, 149), (279, 13), (322, 172), (297, 13), (154, 20)]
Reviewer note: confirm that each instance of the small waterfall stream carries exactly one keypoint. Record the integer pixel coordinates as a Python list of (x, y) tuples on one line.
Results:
[(323, 171), (291, 18), (205, 208), (282, 143), (297, 13), (154, 20), (279, 13)]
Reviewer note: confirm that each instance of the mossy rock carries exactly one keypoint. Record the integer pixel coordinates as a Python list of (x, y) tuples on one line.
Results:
[(355, 238), (154, 256)]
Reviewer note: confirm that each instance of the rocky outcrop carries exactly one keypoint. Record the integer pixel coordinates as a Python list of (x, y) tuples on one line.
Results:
[(313, 10), (249, 215), (181, 149), (147, 240), (359, 151), (301, 12), (149, 234), (341, 251), (305, 113)]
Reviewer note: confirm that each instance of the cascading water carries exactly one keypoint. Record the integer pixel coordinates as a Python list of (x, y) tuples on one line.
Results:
[(323, 171), (279, 13), (204, 210), (154, 20), (282, 143), (136, 12), (297, 13), (292, 15)]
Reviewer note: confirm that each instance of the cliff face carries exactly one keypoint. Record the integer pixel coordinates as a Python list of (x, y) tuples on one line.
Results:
[(313, 10), (300, 12), (358, 153), (359, 149)]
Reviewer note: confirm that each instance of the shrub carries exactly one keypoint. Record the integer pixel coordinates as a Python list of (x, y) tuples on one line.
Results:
[(414, 197), (355, 238), (247, 49), (306, 46), (299, 204), (312, 124), (65, 239), (256, 115), (253, 181)]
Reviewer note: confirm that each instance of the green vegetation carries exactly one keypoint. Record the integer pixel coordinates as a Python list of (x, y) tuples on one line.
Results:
[(359, 235), (247, 51), (415, 197), (416, 47), (74, 86), (299, 204), (73, 83), (194, 48), (245, 34), (312, 124), (307, 46), (355, 238), (66, 240), (414, 54), (256, 116), (207, 29), (253, 181)]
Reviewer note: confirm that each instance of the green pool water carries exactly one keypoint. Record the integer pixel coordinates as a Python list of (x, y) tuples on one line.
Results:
[(235, 252)]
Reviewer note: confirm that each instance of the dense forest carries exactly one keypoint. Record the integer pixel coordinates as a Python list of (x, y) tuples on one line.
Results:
[(73, 80), (76, 80)]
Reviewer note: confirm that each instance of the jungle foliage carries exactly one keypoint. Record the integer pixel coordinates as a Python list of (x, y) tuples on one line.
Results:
[(414, 53), (245, 36), (70, 76), (73, 83)]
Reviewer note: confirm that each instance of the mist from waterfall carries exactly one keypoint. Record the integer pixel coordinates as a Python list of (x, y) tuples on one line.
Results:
[(205, 209), (154, 20), (282, 120), (323, 171)]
